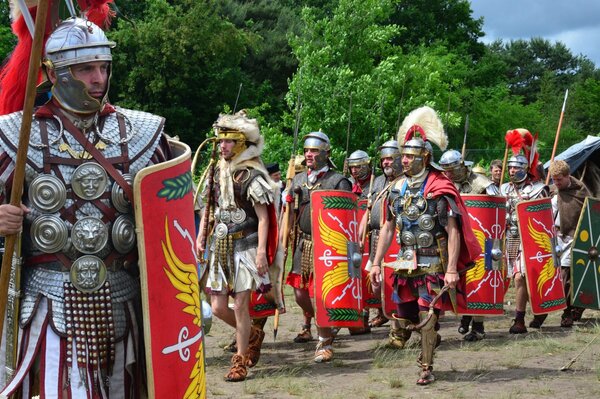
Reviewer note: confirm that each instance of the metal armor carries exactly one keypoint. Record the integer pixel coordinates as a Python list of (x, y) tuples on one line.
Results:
[(477, 184), (422, 234), (374, 223), (79, 238)]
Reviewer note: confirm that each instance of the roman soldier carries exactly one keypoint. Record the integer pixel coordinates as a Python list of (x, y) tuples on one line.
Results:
[(240, 252), (78, 325), (524, 184), (435, 234), (359, 164), (320, 175)]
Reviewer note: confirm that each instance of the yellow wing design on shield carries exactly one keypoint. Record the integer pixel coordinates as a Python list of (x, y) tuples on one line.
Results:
[(339, 243), (184, 277), (543, 241), (477, 273)]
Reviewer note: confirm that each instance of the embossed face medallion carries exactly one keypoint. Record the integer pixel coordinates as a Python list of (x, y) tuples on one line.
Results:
[(88, 273), (49, 233), (47, 193), (123, 234), (89, 181), (89, 235)]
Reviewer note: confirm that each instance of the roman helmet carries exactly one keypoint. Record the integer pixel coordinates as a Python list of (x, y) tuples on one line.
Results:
[(241, 129), (454, 167), (419, 129), (390, 149), (361, 160), (525, 157), (76, 41), (320, 141)]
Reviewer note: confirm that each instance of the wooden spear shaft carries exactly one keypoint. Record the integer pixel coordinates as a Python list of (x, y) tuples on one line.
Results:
[(562, 114), (19, 173)]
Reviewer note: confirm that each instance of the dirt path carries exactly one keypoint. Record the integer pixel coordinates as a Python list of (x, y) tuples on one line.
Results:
[(501, 366)]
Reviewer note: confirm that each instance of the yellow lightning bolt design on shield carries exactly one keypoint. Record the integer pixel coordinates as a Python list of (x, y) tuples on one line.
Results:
[(184, 278), (542, 239), (339, 243), (477, 273)]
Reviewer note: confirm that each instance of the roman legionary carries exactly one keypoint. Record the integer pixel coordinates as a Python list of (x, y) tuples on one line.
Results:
[(467, 182), (390, 163), (79, 331), (524, 184), (359, 164), (240, 250), (436, 238), (568, 197), (320, 175)]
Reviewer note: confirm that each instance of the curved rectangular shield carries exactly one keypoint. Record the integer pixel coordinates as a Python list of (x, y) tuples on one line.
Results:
[(370, 300), (173, 337), (337, 259), (485, 281), (585, 269), (536, 229)]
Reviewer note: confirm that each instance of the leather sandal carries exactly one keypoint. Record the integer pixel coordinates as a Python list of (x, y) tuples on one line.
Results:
[(378, 321), (324, 351), (304, 335), (254, 345), (426, 377), (238, 370)]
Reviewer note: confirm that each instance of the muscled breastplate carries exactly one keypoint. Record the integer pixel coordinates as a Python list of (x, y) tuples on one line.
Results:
[(79, 241), (240, 220), (421, 235)]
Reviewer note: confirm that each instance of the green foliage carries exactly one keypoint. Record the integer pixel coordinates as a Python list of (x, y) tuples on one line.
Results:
[(180, 61)]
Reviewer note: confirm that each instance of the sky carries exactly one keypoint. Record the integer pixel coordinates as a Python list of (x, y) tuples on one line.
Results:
[(576, 23)]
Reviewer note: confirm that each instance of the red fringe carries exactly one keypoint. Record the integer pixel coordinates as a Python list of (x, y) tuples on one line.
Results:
[(410, 133)]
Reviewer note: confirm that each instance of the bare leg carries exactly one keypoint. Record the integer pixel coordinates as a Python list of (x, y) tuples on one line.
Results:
[(243, 321), (221, 309)]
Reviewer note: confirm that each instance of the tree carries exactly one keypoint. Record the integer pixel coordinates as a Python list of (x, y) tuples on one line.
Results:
[(7, 39), (181, 61)]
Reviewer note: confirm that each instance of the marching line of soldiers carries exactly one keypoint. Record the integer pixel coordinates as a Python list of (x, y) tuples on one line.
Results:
[(85, 319), (444, 256)]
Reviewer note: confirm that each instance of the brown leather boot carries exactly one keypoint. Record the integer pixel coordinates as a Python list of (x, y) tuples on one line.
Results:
[(238, 370), (254, 344)]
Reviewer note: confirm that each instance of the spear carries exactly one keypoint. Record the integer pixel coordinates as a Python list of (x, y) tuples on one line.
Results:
[(237, 98), (562, 114), (370, 194), (285, 220), (8, 261), (464, 147), (345, 170)]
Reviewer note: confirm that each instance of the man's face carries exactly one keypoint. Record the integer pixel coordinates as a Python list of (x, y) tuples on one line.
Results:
[(561, 181), (226, 148), (310, 155), (496, 174), (513, 170), (94, 75), (276, 176)]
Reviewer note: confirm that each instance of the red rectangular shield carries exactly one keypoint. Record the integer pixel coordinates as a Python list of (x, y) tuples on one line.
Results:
[(164, 214), (544, 283), (338, 295), (485, 281)]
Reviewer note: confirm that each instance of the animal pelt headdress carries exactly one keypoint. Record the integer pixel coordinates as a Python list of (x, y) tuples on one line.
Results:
[(13, 78), (228, 126), (521, 141), (426, 123)]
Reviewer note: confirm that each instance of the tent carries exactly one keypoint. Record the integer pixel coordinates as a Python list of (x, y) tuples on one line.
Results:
[(584, 160)]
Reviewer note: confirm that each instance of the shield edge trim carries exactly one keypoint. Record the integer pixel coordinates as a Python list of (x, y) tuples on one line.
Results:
[(183, 151)]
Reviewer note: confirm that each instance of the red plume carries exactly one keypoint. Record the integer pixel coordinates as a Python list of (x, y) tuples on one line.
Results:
[(97, 11), (410, 133), (13, 75), (514, 140)]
